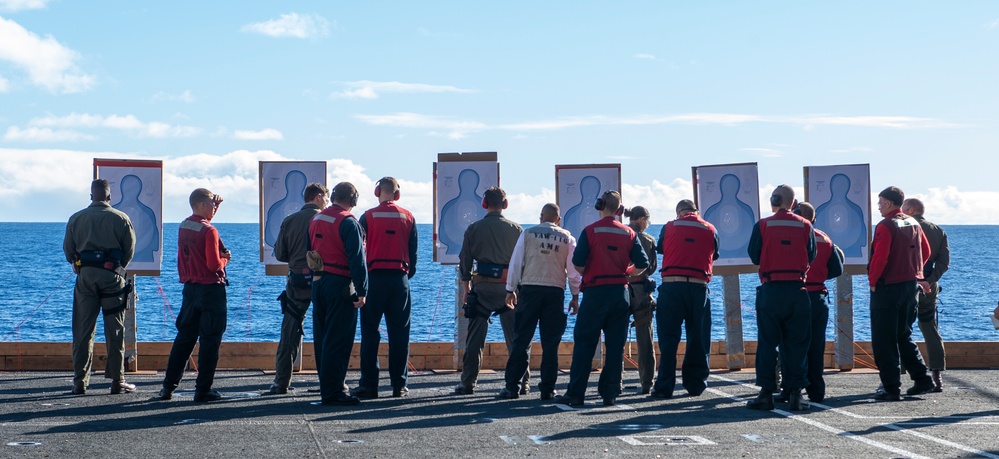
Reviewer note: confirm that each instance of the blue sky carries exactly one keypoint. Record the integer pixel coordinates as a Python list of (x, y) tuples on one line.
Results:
[(379, 88)]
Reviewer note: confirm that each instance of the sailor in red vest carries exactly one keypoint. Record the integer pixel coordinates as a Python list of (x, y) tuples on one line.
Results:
[(898, 253), (828, 264), (782, 245), (339, 287), (390, 248), (689, 246), (290, 247), (201, 262), (606, 254)]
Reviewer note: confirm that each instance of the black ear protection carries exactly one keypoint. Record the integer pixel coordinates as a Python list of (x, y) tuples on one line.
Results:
[(378, 191), (600, 204), (776, 200), (353, 197)]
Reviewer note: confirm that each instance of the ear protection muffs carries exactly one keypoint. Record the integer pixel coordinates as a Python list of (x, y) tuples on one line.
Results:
[(378, 191), (353, 197), (776, 200), (600, 204)]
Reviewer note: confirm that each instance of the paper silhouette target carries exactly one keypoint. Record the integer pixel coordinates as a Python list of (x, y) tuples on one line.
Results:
[(460, 181), (728, 197), (282, 193), (137, 190), (842, 196), (577, 188)]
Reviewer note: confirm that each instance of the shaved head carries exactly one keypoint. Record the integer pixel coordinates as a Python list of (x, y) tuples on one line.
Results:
[(550, 213)]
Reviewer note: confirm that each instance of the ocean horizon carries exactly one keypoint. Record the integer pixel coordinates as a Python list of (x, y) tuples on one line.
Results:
[(37, 305)]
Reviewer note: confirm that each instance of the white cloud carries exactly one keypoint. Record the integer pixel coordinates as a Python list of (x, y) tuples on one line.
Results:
[(26, 180), (4, 85), (47, 63), (36, 134), (292, 25), (128, 123), (994, 23), (364, 89), (457, 128), (645, 56), (19, 5), (185, 97), (263, 134)]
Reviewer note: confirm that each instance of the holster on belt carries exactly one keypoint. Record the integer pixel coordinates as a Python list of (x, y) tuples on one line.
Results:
[(641, 308)]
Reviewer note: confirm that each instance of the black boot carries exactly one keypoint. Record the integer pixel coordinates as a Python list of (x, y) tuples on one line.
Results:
[(795, 401), (763, 401)]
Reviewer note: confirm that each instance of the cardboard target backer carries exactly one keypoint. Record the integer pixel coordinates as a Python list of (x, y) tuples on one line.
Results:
[(577, 188), (728, 196), (282, 193), (460, 179), (841, 196), (137, 190)]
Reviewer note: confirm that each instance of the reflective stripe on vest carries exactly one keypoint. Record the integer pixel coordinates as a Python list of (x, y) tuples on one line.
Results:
[(610, 253), (388, 232), (324, 237), (688, 248), (818, 271), (785, 247), (905, 259)]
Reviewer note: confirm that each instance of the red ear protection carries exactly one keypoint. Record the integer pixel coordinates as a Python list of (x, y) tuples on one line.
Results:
[(378, 190), (620, 210), (484, 205), (600, 204)]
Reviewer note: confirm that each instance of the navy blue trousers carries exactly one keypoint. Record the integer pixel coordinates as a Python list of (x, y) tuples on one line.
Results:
[(893, 310), (783, 313), (544, 306), (203, 317), (334, 321), (683, 303), (603, 308), (388, 295)]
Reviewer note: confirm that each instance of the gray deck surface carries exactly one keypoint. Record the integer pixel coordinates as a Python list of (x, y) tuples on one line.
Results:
[(962, 421)]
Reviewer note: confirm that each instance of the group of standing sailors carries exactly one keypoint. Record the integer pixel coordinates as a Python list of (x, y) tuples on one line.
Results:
[(343, 265)]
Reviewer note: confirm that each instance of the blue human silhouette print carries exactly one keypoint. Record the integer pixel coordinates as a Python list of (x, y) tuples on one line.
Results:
[(583, 213), (294, 198), (842, 219), (733, 219), (147, 229), (460, 212)]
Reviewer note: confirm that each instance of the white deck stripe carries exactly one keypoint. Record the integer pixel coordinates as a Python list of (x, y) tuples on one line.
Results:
[(891, 426)]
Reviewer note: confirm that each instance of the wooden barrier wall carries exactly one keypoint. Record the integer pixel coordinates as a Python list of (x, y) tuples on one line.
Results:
[(24, 356)]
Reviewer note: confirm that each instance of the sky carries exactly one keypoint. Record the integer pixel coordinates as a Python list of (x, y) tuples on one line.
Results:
[(380, 88)]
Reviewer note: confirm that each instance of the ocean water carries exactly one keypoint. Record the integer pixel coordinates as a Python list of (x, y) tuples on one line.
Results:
[(37, 290)]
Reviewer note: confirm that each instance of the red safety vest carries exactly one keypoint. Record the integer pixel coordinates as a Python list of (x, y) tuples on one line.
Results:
[(818, 271), (387, 244), (191, 256), (324, 237), (610, 244), (689, 248), (785, 247), (905, 259)]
